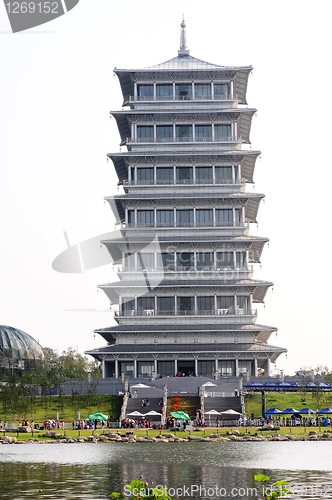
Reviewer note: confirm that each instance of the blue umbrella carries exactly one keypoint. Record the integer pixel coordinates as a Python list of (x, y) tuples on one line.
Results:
[(295, 384), (310, 384), (269, 384), (255, 384), (325, 386), (283, 384)]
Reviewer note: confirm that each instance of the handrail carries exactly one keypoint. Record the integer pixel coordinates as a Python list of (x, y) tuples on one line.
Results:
[(179, 312), (181, 225), (170, 268), (187, 97), (149, 140), (171, 182)]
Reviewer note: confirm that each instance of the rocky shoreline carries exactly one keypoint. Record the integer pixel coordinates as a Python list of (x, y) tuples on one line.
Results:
[(130, 437)]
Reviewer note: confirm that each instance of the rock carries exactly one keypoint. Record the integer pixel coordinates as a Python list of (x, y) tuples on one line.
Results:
[(235, 432), (95, 435), (206, 439), (312, 433), (232, 437), (168, 436), (194, 438), (23, 428), (214, 436)]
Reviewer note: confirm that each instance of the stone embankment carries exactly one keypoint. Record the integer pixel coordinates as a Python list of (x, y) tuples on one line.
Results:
[(129, 437)]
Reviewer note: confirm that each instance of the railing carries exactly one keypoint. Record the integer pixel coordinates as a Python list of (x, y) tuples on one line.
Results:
[(148, 140), (171, 268), (171, 182), (187, 97), (179, 312), (207, 225)]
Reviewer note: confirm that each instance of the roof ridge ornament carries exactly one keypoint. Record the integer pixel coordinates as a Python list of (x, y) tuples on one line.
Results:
[(184, 51)]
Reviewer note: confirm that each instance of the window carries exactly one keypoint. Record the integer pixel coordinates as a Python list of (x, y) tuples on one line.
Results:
[(205, 304), (221, 89), (227, 368), (240, 260), (183, 131), (165, 90), (145, 368), (204, 260), (206, 368), (224, 217), (145, 91), (165, 218), (165, 175), (131, 217), (183, 90), (166, 260), (166, 304), (164, 131), (185, 260), (202, 90), (128, 305), (204, 173), (203, 132), (145, 174), (184, 218), (223, 173), (129, 261), (145, 261), (204, 217), (144, 132), (245, 367), (225, 259), (222, 131), (145, 303), (185, 304), (226, 302), (242, 304), (184, 173), (145, 218)]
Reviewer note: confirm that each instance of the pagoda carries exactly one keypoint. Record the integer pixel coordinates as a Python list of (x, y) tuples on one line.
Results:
[(185, 300)]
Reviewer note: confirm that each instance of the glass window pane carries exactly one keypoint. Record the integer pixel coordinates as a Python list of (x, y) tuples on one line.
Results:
[(204, 217), (165, 174), (184, 173), (166, 260), (185, 303), (223, 173), (202, 90), (144, 132), (165, 217), (144, 303), (205, 303), (165, 90), (145, 90), (145, 260), (240, 259), (130, 261), (145, 174), (183, 131), (225, 259), (204, 259), (145, 217), (203, 131), (185, 260), (166, 304), (222, 131), (226, 302), (183, 90), (224, 217), (184, 218), (164, 131), (204, 173), (242, 304), (221, 89)]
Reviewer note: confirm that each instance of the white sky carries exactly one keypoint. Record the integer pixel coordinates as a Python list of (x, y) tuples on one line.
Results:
[(57, 88)]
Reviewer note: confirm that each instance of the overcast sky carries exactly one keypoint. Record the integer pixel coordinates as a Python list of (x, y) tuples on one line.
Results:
[(57, 88)]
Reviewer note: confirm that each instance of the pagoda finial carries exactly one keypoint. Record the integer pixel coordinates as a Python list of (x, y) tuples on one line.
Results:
[(184, 51)]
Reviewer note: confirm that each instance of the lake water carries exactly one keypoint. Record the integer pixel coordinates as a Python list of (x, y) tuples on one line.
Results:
[(208, 470)]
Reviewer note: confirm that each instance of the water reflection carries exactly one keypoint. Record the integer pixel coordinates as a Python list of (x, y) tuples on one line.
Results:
[(85, 471)]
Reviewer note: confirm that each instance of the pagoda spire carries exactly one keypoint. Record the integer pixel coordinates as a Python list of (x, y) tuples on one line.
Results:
[(184, 51)]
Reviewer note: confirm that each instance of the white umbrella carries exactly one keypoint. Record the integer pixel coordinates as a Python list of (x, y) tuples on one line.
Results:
[(140, 386), (152, 412), (209, 384), (135, 414)]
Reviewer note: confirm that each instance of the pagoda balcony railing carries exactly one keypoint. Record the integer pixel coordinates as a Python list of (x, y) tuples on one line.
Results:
[(173, 268), (213, 312), (181, 182), (160, 225), (163, 140), (188, 97)]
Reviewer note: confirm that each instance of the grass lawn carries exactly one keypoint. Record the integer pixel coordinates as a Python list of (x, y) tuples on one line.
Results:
[(107, 404), (253, 402)]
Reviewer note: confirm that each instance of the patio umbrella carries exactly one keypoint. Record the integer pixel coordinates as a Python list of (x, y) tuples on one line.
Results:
[(212, 412), (324, 386), (135, 414), (283, 384), (98, 416), (255, 384), (269, 384), (209, 384), (180, 414), (310, 384), (295, 384)]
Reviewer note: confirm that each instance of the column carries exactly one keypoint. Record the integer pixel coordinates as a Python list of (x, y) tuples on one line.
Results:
[(103, 368), (236, 367), (155, 366), (175, 366), (267, 367), (135, 367), (116, 368), (196, 367), (255, 367)]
